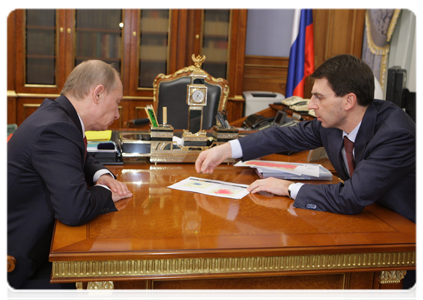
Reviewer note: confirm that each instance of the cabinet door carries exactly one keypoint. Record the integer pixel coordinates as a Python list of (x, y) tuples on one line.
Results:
[(152, 40), (98, 35), (215, 41), (39, 53), (220, 36)]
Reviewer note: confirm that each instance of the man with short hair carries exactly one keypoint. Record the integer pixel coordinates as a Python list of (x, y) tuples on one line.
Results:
[(378, 166), (49, 170)]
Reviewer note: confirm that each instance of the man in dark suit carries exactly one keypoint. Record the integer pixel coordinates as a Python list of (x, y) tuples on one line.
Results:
[(49, 170), (383, 166)]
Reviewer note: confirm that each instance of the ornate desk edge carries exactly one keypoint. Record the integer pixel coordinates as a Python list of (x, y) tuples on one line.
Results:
[(151, 268)]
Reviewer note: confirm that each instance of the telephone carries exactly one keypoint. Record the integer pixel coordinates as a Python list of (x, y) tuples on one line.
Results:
[(255, 121), (258, 122), (292, 100)]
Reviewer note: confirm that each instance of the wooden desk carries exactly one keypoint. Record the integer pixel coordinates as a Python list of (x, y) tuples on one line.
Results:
[(163, 238)]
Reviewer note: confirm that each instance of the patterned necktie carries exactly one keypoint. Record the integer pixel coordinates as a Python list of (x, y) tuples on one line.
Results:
[(85, 143), (349, 146)]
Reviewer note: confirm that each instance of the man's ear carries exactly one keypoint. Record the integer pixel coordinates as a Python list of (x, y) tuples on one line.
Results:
[(97, 93), (350, 101)]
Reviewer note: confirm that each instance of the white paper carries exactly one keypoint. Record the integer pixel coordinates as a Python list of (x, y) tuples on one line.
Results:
[(212, 187)]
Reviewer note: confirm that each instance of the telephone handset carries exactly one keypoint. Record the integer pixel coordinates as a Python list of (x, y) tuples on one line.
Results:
[(255, 121)]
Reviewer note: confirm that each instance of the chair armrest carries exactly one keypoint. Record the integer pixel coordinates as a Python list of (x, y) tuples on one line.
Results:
[(11, 263)]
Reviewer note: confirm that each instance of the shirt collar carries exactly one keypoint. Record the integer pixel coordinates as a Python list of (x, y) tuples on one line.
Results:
[(353, 134), (82, 126)]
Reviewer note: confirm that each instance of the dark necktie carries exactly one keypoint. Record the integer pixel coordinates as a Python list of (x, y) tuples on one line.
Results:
[(349, 146), (85, 143)]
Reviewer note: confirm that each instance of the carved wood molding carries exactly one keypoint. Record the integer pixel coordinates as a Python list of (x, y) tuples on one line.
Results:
[(386, 277), (100, 288), (204, 266)]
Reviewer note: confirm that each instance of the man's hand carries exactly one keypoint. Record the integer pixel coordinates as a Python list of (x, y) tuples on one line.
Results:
[(211, 158), (270, 185), (119, 189)]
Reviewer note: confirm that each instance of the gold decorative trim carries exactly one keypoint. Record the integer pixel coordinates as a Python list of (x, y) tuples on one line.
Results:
[(384, 51), (137, 98), (100, 288), (79, 287), (204, 266), (372, 46), (220, 82), (392, 24), (11, 94), (30, 95), (386, 277)]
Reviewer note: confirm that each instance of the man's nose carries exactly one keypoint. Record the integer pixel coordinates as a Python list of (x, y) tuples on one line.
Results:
[(311, 104)]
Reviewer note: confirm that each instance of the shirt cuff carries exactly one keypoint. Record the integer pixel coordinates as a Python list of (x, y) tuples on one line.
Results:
[(104, 186), (295, 189), (236, 148), (101, 173)]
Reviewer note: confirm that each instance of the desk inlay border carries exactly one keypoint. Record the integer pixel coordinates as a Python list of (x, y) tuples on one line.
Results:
[(204, 266)]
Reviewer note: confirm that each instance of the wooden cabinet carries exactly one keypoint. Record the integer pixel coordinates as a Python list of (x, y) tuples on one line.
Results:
[(45, 45), (220, 35)]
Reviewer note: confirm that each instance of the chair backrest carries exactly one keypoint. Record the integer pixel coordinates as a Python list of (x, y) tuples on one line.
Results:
[(171, 91)]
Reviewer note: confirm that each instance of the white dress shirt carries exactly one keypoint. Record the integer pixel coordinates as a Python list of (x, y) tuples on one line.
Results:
[(295, 188)]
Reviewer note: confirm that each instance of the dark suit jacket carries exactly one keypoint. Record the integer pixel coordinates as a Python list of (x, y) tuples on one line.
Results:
[(47, 179), (384, 154)]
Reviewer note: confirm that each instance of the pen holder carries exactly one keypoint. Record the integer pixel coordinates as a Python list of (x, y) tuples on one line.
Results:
[(161, 138), (198, 139), (161, 133), (222, 135)]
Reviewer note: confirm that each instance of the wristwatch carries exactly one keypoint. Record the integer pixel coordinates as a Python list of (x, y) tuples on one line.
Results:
[(290, 189)]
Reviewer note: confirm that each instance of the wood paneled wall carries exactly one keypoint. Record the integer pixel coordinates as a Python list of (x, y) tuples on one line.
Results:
[(336, 31), (265, 73)]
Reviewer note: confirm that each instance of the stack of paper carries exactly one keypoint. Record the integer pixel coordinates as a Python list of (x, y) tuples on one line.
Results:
[(286, 170)]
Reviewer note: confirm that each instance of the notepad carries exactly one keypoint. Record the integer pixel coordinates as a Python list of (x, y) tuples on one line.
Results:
[(105, 135)]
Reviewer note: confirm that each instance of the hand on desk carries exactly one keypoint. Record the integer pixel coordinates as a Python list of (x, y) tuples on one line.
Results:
[(211, 158), (119, 189), (270, 185)]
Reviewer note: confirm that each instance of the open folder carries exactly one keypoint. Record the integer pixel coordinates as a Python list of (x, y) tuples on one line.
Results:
[(287, 170)]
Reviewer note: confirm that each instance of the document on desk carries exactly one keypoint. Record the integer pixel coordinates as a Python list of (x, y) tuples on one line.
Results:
[(211, 187), (286, 170)]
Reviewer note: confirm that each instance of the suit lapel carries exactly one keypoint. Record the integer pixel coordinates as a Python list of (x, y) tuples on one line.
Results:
[(336, 143), (365, 133), (67, 106)]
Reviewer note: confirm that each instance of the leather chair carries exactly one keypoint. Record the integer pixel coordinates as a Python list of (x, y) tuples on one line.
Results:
[(171, 91)]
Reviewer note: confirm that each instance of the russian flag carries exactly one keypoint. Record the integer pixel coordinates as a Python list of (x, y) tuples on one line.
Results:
[(301, 56)]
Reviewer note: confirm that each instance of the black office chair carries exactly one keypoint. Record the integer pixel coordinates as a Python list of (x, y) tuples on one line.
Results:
[(171, 91)]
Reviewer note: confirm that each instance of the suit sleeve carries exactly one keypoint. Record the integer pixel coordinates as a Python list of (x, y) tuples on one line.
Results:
[(391, 157), (58, 158), (304, 136)]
